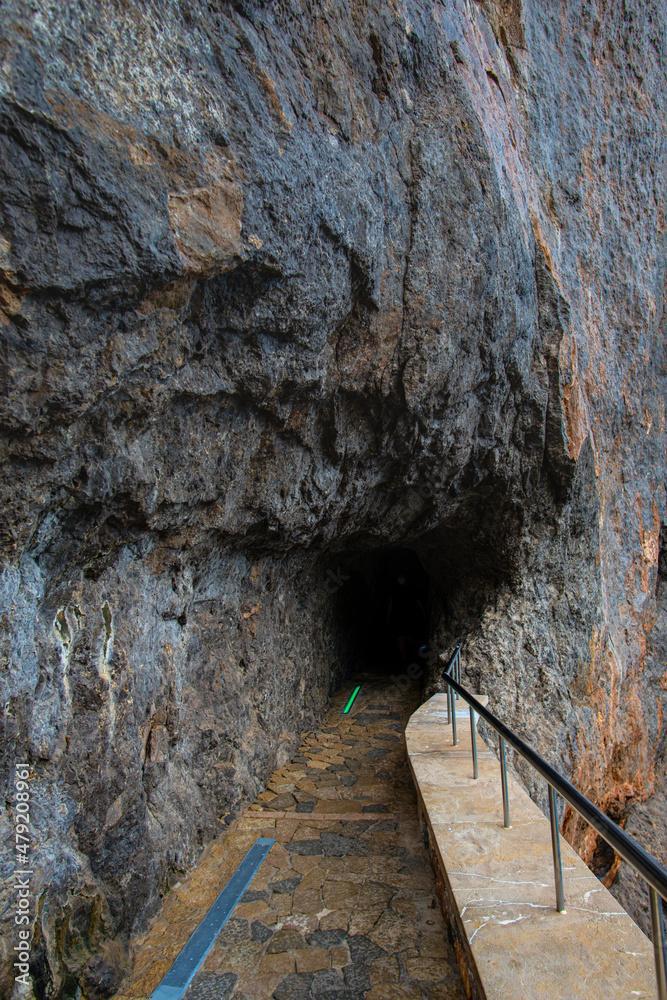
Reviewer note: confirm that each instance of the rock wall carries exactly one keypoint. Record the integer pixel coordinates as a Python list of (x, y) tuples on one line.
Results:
[(281, 283)]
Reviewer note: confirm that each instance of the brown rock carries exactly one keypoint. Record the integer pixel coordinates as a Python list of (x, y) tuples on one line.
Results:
[(287, 939)]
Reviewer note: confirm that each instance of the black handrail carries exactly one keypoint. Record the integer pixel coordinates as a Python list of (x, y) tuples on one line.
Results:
[(654, 873), (625, 845)]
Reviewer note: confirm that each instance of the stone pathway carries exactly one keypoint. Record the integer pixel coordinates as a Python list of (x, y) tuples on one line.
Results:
[(344, 906)]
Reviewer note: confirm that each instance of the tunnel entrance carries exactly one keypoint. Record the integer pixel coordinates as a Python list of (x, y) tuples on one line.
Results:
[(383, 606), (454, 573)]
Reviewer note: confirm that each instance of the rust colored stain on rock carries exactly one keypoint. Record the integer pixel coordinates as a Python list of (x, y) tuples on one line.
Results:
[(206, 223)]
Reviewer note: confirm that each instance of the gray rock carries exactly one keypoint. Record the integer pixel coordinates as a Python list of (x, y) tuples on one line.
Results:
[(212, 986), (260, 932), (286, 885), (296, 986)]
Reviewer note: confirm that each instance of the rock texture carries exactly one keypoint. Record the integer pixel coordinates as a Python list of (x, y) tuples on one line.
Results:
[(281, 285)]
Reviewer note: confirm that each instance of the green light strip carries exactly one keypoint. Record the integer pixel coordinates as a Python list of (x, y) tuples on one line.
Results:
[(351, 701)]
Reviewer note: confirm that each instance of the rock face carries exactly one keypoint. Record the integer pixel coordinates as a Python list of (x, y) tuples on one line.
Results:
[(282, 285)]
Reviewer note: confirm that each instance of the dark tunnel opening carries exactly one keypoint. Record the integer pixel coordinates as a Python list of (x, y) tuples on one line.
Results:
[(382, 602), (452, 575)]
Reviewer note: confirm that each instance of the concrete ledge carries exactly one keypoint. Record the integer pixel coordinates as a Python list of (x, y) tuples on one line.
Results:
[(497, 885)]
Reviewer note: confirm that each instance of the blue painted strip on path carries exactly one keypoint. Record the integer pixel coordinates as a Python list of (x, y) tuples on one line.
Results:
[(177, 979)]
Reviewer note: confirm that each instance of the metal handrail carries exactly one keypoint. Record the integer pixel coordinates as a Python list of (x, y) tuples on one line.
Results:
[(628, 848)]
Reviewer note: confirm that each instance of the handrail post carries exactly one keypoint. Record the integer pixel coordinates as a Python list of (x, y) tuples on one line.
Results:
[(653, 872), (555, 848), (473, 739), (503, 779), (659, 949)]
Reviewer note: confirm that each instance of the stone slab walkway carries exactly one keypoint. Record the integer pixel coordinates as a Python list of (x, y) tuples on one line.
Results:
[(344, 907)]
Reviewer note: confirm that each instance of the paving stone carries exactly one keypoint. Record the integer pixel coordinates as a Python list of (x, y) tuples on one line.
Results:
[(286, 884), (314, 878), (357, 827), (375, 807), (259, 987), (385, 970), (363, 950), (339, 956), (315, 832), (282, 904), (353, 863), (295, 987), (282, 962), (285, 829), (363, 921), (306, 806), (394, 932), (304, 864), (236, 929), (302, 796), (305, 847), (335, 845), (307, 901), (395, 991), (327, 939), (405, 907), (385, 826), (243, 957), (358, 978), (449, 990), (250, 911), (260, 932), (429, 970), (253, 895), (212, 986), (311, 959), (344, 995), (286, 939), (304, 923), (339, 919), (333, 987), (327, 981), (340, 895)]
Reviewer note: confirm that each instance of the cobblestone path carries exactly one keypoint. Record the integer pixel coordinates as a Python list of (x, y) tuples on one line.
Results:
[(344, 906)]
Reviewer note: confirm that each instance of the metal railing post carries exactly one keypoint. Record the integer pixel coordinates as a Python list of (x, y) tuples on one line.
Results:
[(659, 949), (555, 848), (643, 863), (473, 739), (503, 779)]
